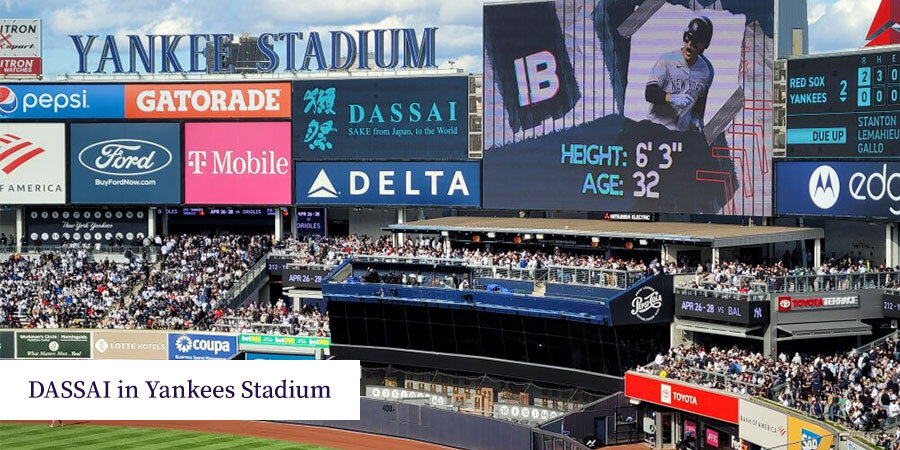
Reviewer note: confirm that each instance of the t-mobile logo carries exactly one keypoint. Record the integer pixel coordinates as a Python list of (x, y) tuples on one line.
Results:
[(536, 76), (229, 163)]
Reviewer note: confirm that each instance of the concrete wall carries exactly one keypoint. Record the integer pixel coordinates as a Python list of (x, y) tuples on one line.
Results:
[(371, 221), (435, 425)]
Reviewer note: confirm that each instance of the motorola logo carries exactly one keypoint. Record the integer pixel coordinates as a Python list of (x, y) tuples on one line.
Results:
[(824, 187)]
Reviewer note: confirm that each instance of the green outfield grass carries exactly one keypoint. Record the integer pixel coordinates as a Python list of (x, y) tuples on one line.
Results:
[(32, 436)]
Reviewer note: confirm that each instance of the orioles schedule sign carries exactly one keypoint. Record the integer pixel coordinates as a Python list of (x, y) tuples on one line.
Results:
[(208, 101), (681, 396)]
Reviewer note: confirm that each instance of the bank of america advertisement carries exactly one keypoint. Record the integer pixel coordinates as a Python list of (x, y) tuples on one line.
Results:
[(603, 106), (125, 163), (863, 190), (455, 184), (423, 118), (32, 163)]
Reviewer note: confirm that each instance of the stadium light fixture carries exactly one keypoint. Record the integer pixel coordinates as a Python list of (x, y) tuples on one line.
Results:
[(445, 233), (642, 242), (491, 234), (526, 237), (539, 236)]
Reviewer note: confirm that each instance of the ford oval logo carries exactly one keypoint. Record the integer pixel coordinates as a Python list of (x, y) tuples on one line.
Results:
[(128, 157)]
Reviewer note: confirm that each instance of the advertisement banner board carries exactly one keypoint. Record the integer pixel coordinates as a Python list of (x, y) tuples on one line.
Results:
[(302, 278), (7, 349), (455, 184), (810, 302), (20, 49), (207, 101), (762, 426), (284, 342), (595, 111), (53, 344), (129, 345), (121, 163), (423, 118), (32, 163), (312, 222), (237, 163), (740, 312), (863, 190), (804, 435), (682, 396), (651, 301), (890, 306), (85, 225), (62, 101), (194, 346)]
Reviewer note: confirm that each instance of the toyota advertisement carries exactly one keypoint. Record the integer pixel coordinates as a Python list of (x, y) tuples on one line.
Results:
[(62, 101), (683, 396), (601, 106), (32, 163), (213, 101), (389, 183), (863, 190), (237, 163), (125, 163), (424, 118)]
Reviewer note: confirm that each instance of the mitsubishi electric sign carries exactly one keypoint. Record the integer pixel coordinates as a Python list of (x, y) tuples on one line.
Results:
[(456, 184), (865, 190), (125, 163)]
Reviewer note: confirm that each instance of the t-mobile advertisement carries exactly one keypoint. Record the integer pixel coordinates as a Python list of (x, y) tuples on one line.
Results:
[(232, 163), (608, 106)]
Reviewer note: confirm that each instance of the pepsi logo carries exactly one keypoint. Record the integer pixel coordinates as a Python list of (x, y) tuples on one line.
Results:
[(8, 101)]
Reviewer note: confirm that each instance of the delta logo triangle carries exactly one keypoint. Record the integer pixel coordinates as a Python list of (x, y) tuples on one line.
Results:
[(322, 187), (882, 31)]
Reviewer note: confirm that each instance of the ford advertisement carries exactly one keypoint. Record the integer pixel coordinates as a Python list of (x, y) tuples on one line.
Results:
[(863, 190), (424, 118), (125, 163), (62, 101), (456, 184)]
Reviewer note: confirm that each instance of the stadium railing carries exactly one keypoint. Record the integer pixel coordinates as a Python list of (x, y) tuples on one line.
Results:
[(717, 380), (234, 324), (93, 248), (834, 282), (608, 278), (751, 296), (254, 279)]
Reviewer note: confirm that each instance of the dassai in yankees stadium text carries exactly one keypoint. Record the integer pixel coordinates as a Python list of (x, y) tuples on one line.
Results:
[(79, 389)]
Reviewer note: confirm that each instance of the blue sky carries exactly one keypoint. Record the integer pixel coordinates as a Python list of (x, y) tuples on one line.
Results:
[(459, 21)]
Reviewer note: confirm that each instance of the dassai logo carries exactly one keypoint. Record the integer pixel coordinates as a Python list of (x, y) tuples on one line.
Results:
[(824, 187), (126, 157), (8, 101)]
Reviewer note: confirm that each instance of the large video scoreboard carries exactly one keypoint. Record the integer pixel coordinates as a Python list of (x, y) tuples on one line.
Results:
[(844, 106)]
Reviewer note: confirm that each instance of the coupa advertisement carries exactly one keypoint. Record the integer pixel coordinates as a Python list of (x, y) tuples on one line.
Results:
[(422, 118), (62, 101), (382, 183), (32, 163), (85, 225), (602, 106), (864, 190), (191, 346), (237, 163), (122, 163)]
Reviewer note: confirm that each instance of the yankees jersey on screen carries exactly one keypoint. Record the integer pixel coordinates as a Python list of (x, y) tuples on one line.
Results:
[(674, 76)]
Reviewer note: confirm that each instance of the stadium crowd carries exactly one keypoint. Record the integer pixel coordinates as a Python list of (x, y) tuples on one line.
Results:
[(858, 389)]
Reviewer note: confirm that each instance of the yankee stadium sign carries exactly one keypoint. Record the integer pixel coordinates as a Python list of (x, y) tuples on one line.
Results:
[(157, 53)]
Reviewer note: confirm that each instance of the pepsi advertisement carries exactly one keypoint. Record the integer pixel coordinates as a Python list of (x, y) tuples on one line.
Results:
[(455, 184), (125, 163), (862, 190), (423, 118), (62, 101), (598, 106)]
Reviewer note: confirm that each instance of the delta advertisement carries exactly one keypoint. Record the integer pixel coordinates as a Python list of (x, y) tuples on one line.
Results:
[(455, 184), (32, 163), (659, 108), (62, 101), (192, 346), (85, 225), (862, 190), (20, 47), (237, 163), (125, 163), (129, 345), (53, 344), (213, 101), (423, 118)]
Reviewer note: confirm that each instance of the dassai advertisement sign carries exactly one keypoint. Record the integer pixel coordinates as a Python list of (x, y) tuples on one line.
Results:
[(395, 183), (237, 163), (122, 163), (191, 346), (32, 163), (865, 190), (596, 106), (62, 101), (422, 118), (20, 47), (214, 101)]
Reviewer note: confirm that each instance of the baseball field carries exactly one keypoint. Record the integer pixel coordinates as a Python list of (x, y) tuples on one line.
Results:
[(193, 435)]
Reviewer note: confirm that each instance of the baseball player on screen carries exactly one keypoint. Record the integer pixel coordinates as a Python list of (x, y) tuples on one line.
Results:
[(680, 80)]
